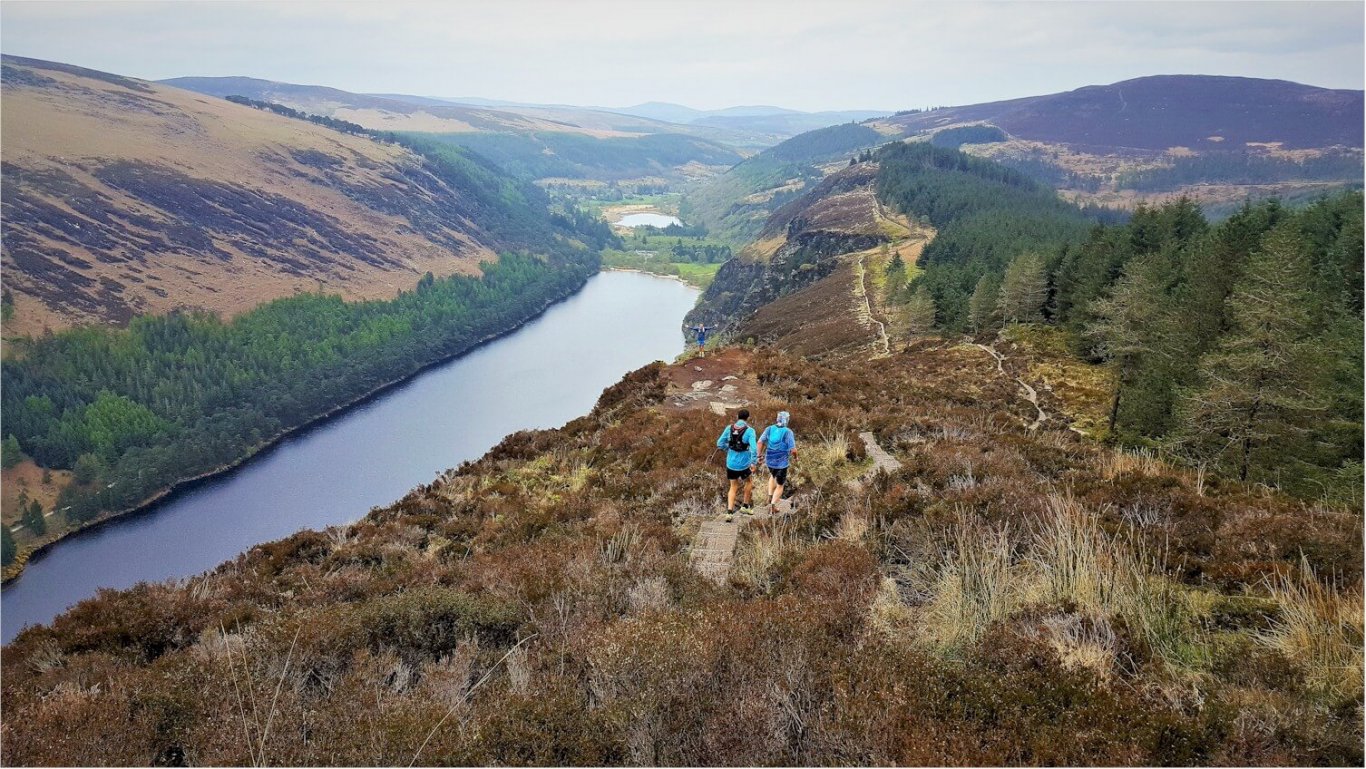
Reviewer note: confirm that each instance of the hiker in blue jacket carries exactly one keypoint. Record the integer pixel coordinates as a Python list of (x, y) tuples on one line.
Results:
[(779, 446), (742, 451), (701, 331)]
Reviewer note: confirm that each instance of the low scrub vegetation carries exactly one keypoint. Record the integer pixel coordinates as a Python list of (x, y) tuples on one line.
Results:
[(1005, 597)]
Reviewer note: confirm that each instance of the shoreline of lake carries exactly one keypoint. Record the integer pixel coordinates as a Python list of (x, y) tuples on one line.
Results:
[(371, 451), (166, 493)]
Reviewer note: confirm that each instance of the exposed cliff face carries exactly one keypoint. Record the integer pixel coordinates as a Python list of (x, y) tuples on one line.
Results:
[(799, 246)]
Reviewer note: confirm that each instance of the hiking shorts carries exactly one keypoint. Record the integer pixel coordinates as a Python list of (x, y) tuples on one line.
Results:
[(737, 475), (779, 475)]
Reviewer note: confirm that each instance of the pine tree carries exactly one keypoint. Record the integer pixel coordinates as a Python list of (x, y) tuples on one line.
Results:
[(8, 550), (34, 520), (982, 305), (1024, 289), (10, 454), (1129, 323), (1257, 399), (920, 312), (896, 272)]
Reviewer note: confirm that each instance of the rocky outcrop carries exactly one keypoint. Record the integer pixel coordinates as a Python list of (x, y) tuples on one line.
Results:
[(799, 246)]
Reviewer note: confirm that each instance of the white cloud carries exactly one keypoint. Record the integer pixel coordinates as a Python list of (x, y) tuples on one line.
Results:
[(802, 54)]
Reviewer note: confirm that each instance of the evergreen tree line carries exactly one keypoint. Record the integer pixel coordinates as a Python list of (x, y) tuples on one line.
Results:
[(953, 138), (132, 410), (345, 126), (1239, 344), (1245, 168), (706, 253), (984, 215)]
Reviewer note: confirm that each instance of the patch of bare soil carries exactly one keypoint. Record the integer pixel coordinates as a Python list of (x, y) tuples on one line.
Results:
[(718, 383), (26, 478)]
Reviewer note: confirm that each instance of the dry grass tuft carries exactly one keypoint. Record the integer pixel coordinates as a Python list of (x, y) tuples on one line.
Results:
[(973, 588), (852, 526), (621, 546), (1067, 560), (888, 614), (762, 548), (1320, 629), (1081, 644), (1123, 461)]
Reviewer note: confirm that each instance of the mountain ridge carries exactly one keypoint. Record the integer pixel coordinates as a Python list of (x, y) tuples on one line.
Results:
[(1267, 110), (1219, 139), (124, 197)]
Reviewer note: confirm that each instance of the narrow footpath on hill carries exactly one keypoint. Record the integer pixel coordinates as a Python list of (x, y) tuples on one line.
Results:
[(1030, 394), (907, 242), (716, 385)]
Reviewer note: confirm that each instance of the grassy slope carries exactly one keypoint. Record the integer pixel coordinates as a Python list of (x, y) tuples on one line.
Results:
[(658, 257), (698, 275)]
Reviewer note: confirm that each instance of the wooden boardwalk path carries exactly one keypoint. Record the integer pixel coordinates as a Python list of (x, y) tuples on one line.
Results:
[(713, 550)]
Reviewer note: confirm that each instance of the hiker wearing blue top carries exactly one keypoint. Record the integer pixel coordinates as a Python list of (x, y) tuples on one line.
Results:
[(701, 331), (742, 451), (779, 445)]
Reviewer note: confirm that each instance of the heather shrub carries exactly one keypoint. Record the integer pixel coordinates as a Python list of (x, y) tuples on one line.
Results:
[(538, 606), (554, 726), (142, 622)]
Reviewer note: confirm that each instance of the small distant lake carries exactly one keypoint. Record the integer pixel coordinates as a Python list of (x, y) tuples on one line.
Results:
[(648, 220)]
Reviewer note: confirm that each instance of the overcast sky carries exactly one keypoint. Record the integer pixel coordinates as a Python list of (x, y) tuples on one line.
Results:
[(850, 54)]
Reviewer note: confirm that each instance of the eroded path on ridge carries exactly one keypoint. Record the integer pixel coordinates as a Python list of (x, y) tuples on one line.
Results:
[(906, 241), (714, 388), (1030, 394)]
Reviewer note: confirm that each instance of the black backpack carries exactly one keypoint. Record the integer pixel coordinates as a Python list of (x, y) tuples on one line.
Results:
[(737, 438)]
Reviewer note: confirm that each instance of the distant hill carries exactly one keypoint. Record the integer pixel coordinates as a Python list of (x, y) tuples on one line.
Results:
[(774, 123), (400, 113), (534, 141), (1158, 113), (123, 197), (1219, 139)]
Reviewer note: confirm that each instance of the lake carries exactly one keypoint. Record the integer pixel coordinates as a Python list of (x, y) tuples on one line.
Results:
[(648, 219), (546, 373)]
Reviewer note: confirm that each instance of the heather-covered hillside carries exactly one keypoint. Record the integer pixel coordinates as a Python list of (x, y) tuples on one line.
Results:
[(125, 198), (1164, 111), (532, 141), (1004, 595), (1218, 140)]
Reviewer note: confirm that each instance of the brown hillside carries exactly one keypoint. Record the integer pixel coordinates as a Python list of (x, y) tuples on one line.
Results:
[(1168, 111), (810, 283), (122, 197), (997, 595)]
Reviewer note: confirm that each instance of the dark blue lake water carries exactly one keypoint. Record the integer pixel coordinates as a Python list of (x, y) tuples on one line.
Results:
[(543, 375)]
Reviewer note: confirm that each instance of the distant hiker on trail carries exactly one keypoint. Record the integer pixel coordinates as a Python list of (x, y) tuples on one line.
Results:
[(701, 331), (742, 452), (779, 446)]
